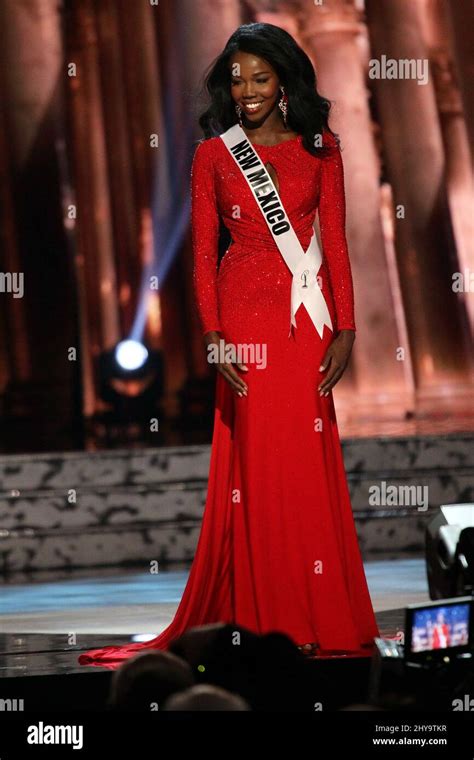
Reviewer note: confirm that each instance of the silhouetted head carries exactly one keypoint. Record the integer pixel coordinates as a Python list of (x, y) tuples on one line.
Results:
[(144, 682), (206, 697)]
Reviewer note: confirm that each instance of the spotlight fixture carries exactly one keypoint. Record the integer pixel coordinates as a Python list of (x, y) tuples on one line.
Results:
[(131, 380), (130, 355)]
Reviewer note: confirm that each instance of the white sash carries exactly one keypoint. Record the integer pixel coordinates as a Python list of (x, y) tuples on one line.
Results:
[(303, 266)]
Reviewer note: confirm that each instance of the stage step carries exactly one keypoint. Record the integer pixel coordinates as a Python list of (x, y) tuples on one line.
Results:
[(127, 507)]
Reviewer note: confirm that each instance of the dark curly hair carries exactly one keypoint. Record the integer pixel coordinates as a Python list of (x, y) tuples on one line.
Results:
[(308, 112)]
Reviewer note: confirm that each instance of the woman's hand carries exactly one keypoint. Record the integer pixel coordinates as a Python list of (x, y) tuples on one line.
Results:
[(227, 368), (335, 361)]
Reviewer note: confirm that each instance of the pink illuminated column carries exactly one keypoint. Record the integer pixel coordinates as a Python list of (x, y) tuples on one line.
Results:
[(204, 28), (459, 173), (95, 259), (414, 153), (33, 364), (333, 36), (462, 26)]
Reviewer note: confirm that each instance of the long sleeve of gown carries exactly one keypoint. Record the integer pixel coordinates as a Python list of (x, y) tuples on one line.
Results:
[(205, 237), (332, 220)]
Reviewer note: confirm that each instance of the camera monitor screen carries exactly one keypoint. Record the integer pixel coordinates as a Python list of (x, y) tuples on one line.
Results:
[(443, 625)]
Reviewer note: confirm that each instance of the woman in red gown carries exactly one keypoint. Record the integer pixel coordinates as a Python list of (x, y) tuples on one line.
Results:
[(278, 549)]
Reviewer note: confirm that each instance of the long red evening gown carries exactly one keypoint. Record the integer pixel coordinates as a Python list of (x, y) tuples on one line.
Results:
[(278, 548)]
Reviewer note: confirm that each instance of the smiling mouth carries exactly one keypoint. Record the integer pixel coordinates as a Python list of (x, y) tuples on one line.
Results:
[(252, 107)]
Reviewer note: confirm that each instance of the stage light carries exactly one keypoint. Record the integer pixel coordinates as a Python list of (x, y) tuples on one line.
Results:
[(130, 354), (131, 383)]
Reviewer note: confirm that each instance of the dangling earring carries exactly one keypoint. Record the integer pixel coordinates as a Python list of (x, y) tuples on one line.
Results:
[(283, 105), (238, 111)]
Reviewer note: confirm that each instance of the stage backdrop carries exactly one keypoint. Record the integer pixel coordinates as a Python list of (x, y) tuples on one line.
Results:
[(98, 124)]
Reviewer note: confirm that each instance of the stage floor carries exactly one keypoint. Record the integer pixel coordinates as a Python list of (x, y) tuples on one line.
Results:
[(134, 602), (45, 623)]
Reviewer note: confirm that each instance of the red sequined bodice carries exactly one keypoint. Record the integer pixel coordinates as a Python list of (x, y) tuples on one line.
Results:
[(306, 185)]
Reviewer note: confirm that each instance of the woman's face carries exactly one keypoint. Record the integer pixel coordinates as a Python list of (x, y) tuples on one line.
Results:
[(254, 85)]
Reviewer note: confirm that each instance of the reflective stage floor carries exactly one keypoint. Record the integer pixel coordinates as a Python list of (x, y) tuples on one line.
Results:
[(46, 623)]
